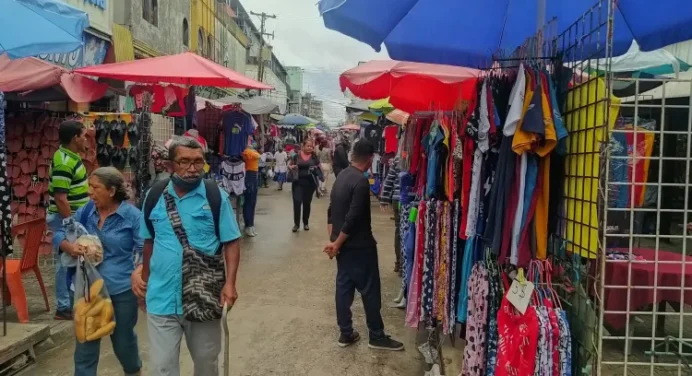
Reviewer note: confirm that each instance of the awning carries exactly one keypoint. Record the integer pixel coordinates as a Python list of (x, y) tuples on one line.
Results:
[(183, 69), (32, 74)]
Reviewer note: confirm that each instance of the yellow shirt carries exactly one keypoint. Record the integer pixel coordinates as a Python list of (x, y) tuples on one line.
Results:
[(251, 158)]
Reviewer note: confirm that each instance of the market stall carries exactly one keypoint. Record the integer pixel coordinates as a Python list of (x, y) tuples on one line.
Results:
[(542, 182), (56, 28)]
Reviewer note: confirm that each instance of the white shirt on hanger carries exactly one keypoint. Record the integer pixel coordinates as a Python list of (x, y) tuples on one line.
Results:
[(516, 104)]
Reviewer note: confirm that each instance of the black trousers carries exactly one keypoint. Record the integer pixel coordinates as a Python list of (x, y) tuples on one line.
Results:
[(397, 237), (302, 191), (358, 269)]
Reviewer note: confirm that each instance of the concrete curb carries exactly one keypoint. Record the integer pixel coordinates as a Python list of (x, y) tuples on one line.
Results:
[(60, 333)]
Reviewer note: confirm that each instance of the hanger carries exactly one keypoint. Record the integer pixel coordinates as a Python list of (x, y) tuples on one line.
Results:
[(549, 283)]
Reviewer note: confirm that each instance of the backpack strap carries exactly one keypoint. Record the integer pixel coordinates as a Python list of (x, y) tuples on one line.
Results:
[(150, 201), (214, 199)]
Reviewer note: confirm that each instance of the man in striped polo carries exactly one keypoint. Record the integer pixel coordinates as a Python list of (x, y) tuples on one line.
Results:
[(69, 191)]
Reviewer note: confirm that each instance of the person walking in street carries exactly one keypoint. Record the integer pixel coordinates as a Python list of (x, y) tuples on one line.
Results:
[(116, 223), (304, 165), (340, 159), (252, 162), (68, 191), (354, 246), (325, 156), (281, 167), (190, 236), (389, 197)]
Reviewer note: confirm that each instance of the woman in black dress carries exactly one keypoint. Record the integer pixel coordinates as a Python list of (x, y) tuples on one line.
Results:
[(305, 167)]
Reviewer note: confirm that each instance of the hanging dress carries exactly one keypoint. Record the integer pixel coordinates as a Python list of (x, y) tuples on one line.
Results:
[(518, 340)]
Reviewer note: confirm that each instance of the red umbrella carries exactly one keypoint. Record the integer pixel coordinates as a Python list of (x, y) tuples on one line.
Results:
[(29, 74), (411, 86), (184, 69)]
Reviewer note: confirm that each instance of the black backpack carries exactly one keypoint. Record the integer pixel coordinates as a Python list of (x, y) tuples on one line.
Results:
[(213, 197)]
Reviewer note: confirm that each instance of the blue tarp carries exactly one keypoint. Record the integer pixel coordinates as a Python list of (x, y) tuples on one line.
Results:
[(34, 27), (468, 32)]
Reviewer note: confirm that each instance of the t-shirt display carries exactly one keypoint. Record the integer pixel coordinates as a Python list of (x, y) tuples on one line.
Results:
[(237, 127)]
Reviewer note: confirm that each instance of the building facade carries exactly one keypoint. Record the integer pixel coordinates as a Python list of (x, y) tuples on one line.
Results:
[(312, 107)]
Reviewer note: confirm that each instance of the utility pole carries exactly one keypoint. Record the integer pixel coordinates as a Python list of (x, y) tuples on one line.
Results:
[(263, 16)]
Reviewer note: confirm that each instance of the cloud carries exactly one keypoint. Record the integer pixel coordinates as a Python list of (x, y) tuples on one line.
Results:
[(301, 39)]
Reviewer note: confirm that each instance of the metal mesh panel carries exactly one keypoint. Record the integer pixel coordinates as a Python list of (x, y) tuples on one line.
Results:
[(647, 328), (585, 106)]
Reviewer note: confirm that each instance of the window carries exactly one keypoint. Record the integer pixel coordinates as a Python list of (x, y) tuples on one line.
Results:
[(186, 33), (150, 11), (200, 42), (210, 47)]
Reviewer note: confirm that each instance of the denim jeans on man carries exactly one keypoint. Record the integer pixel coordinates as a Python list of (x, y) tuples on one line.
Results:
[(124, 340), (250, 196), (62, 293)]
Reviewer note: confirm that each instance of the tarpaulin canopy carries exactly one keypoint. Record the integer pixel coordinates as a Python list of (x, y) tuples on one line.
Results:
[(410, 86), (183, 69), (253, 106), (33, 27), (30, 74), (467, 33)]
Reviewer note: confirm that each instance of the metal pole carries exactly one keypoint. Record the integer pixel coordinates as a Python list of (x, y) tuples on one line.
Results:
[(540, 15)]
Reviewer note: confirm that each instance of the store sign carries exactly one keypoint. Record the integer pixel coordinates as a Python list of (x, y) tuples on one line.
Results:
[(99, 11), (92, 53), (210, 92)]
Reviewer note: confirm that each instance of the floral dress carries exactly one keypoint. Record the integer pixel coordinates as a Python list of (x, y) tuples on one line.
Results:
[(476, 322)]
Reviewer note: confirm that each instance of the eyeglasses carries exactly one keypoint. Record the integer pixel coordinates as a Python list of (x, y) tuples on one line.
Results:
[(185, 164)]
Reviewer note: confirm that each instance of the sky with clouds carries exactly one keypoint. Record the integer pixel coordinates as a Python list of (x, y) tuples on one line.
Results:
[(301, 39)]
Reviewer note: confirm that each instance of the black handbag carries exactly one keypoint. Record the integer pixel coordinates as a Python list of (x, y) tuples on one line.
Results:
[(203, 275)]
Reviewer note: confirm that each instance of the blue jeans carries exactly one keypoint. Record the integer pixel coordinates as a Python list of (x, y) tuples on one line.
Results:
[(250, 195), (62, 292), (124, 339)]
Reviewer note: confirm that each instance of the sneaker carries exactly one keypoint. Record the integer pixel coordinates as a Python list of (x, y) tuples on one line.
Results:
[(63, 315), (295, 229), (254, 230), (306, 228), (386, 343), (248, 232), (346, 340)]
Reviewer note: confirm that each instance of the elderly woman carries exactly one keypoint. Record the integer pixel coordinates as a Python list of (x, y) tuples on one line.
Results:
[(116, 222)]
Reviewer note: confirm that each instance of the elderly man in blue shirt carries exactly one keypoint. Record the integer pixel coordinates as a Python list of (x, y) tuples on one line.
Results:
[(183, 277)]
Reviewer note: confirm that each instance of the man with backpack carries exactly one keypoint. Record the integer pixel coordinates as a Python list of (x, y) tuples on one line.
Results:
[(187, 221)]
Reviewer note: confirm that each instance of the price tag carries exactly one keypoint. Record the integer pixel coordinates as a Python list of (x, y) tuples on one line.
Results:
[(371, 181), (519, 295)]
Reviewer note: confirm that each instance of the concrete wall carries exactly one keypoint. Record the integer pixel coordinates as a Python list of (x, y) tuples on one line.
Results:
[(278, 95), (237, 53), (167, 37)]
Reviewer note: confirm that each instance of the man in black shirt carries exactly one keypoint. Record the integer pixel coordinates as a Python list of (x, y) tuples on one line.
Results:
[(355, 249), (340, 160)]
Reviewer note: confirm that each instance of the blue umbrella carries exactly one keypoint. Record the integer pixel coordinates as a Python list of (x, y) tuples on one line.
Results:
[(34, 27), (296, 120), (468, 32)]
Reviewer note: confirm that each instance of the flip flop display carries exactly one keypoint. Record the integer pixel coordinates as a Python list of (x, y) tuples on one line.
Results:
[(117, 133)]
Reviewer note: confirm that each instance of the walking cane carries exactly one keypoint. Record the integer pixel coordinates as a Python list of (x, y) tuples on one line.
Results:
[(227, 339)]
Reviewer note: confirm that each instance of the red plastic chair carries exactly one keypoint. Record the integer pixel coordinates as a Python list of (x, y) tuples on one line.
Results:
[(33, 233)]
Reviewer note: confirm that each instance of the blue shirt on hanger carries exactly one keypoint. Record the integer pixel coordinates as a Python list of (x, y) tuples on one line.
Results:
[(237, 127)]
